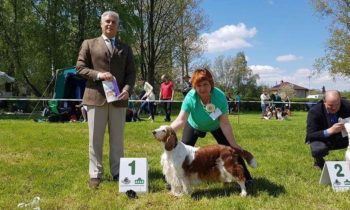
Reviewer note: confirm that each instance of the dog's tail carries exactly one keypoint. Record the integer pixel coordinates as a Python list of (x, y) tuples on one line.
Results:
[(248, 157)]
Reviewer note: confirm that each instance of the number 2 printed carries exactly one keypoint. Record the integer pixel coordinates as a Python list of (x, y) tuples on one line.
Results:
[(340, 169)]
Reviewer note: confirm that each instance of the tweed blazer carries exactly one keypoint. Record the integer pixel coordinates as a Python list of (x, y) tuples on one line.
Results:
[(94, 57), (317, 121)]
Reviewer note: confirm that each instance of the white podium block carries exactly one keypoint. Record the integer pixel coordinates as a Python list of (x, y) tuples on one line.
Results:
[(133, 174), (337, 174)]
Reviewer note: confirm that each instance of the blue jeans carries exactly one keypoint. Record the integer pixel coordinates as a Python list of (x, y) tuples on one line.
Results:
[(263, 109)]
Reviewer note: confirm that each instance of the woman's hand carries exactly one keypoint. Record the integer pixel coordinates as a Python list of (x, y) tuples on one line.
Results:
[(228, 132), (180, 121)]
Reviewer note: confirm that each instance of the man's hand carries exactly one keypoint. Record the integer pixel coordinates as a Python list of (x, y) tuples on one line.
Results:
[(105, 76), (336, 128), (124, 95)]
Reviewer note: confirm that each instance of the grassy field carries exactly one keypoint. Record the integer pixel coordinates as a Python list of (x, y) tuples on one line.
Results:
[(50, 160)]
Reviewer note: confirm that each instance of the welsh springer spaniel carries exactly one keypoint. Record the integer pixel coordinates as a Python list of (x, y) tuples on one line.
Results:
[(346, 122), (184, 165)]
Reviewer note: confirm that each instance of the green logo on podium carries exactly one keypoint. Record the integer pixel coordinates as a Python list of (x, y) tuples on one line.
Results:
[(346, 182), (139, 181)]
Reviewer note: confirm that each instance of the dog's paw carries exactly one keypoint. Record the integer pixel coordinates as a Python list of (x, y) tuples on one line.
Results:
[(253, 163), (243, 193), (176, 194)]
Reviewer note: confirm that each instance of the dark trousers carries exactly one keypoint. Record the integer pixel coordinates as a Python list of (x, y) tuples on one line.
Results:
[(319, 149), (167, 110), (151, 109), (147, 107), (190, 136)]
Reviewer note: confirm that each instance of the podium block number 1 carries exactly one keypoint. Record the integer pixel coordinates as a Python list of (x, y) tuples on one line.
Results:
[(133, 174)]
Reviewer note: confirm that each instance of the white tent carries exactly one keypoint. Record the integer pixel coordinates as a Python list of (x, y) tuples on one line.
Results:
[(5, 78)]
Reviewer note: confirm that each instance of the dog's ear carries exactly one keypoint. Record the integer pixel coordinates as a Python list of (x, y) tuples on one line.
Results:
[(172, 133), (171, 141)]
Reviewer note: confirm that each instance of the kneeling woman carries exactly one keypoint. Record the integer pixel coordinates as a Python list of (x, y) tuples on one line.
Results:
[(203, 110)]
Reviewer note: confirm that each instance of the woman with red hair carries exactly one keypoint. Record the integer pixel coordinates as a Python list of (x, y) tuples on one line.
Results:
[(203, 110)]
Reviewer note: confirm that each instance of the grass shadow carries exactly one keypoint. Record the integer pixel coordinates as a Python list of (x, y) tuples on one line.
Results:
[(260, 185), (157, 181)]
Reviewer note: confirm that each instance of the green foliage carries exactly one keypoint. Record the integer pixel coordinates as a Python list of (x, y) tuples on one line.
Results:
[(39, 36), (50, 160), (337, 58)]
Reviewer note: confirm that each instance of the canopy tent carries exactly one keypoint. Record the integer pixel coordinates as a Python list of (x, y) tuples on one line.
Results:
[(4, 78), (68, 84)]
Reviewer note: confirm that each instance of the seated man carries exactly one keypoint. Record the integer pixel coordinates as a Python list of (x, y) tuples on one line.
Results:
[(323, 129)]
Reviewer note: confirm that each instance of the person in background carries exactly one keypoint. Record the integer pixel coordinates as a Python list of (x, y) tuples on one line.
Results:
[(133, 108), (278, 103), (237, 102), (187, 86), (203, 110), (272, 99), (287, 106), (231, 105), (166, 94), (83, 110), (264, 98), (106, 58), (149, 98), (323, 131)]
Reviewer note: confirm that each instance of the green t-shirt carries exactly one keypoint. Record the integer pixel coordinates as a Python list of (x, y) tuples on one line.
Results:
[(199, 118)]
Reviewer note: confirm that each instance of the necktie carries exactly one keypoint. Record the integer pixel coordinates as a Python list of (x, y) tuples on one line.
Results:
[(112, 43), (109, 45)]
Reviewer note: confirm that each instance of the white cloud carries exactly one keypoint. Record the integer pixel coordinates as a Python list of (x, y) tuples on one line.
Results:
[(271, 76), (288, 57), (229, 37), (304, 72), (263, 69)]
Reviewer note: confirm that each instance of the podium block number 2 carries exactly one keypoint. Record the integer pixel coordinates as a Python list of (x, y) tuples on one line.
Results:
[(133, 166), (340, 169)]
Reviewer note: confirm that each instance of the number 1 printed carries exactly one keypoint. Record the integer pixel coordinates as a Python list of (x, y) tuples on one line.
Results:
[(132, 165)]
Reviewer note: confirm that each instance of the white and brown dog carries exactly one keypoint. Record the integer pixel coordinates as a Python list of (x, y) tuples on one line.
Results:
[(346, 122), (281, 115), (184, 165)]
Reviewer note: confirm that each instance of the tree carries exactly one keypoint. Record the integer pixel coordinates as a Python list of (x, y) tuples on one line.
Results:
[(337, 58), (188, 44), (39, 36), (233, 73), (153, 36), (285, 90), (166, 36), (18, 31)]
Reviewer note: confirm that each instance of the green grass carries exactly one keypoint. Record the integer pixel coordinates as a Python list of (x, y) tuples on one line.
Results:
[(50, 160)]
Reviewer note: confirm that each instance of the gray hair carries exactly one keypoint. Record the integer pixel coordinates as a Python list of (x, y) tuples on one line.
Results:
[(110, 13)]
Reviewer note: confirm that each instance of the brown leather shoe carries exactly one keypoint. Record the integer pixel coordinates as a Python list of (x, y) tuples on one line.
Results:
[(94, 183)]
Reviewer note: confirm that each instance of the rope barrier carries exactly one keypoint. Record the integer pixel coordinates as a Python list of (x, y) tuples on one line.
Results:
[(130, 100)]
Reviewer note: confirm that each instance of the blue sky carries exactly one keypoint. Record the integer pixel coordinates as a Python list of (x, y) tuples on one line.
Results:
[(281, 39)]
